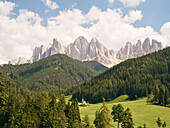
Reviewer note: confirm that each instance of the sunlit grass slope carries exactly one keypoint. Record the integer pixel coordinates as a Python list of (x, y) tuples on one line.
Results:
[(142, 112)]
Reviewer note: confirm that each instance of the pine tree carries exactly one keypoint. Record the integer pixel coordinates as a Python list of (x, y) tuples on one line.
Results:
[(3, 101), (159, 123), (61, 112), (127, 121), (86, 122), (162, 95), (156, 98), (74, 120), (117, 113), (166, 96), (144, 126), (102, 117), (164, 125)]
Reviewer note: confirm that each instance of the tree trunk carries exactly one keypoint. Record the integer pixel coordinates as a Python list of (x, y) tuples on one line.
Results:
[(118, 125)]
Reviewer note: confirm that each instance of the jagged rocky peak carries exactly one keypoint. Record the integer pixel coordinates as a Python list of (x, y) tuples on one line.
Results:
[(13, 62), (38, 53), (77, 50), (133, 51), (56, 48), (21, 60)]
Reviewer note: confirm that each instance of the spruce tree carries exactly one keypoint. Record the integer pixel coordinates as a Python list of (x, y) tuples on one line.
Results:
[(156, 98), (166, 96), (127, 121), (164, 125), (159, 122), (162, 95), (102, 117), (3, 101), (117, 113), (86, 122)]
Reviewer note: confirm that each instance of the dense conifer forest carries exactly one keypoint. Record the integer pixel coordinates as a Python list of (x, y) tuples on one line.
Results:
[(137, 77), (54, 74)]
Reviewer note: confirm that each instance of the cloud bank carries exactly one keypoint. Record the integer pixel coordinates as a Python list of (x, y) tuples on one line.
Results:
[(50, 4), (20, 35)]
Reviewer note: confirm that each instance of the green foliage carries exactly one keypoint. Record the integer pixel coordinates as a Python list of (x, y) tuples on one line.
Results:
[(135, 77), (53, 74), (159, 122), (86, 122), (127, 121), (36, 110), (164, 125), (96, 66), (102, 117), (117, 113)]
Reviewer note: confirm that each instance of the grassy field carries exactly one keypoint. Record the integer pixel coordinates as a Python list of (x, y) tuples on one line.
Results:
[(142, 112)]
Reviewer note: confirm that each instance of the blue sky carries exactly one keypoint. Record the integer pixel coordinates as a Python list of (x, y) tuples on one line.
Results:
[(155, 12), (26, 24)]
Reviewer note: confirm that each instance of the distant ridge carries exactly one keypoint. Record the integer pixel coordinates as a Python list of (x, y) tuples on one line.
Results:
[(138, 49), (83, 50)]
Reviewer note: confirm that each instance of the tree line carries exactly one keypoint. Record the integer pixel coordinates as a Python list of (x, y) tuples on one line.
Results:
[(135, 77)]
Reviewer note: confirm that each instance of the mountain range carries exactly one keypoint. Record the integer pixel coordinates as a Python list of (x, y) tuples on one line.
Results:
[(83, 50)]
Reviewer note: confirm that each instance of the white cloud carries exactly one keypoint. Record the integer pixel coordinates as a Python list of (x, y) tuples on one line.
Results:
[(131, 3), (50, 4), (133, 16), (165, 30), (20, 35), (111, 1), (6, 7)]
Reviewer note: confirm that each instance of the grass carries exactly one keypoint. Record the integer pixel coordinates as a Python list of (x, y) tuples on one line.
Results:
[(142, 112)]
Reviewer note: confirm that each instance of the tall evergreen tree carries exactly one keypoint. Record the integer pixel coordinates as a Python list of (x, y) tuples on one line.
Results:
[(156, 98), (166, 96), (159, 122), (164, 125), (127, 119), (86, 122), (102, 117), (117, 113), (3, 101), (162, 95)]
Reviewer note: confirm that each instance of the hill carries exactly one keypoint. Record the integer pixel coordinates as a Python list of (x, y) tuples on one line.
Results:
[(54, 74), (142, 112), (135, 77), (96, 66)]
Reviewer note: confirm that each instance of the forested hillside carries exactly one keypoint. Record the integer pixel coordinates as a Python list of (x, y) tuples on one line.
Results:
[(52, 74), (96, 66), (135, 77)]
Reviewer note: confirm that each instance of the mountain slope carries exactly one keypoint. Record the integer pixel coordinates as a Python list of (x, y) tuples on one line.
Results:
[(56, 72), (135, 77), (96, 66)]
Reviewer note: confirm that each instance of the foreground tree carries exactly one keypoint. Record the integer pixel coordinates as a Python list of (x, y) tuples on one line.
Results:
[(86, 122), (102, 117), (117, 113), (164, 125), (159, 122), (127, 121)]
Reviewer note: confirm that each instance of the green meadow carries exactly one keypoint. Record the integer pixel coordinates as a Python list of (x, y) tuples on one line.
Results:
[(142, 112)]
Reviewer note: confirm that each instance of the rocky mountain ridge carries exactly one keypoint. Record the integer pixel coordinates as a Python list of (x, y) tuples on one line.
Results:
[(138, 49), (83, 50)]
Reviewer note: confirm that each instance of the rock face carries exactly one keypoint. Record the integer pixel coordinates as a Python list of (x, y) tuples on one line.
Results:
[(133, 51), (21, 60), (81, 50)]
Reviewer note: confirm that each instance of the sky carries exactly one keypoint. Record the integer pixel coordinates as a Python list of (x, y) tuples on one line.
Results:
[(25, 24)]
